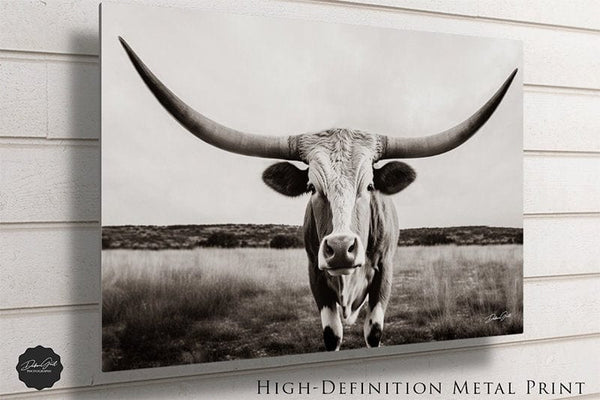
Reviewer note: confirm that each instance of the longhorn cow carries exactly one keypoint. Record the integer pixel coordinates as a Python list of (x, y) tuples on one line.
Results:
[(350, 226)]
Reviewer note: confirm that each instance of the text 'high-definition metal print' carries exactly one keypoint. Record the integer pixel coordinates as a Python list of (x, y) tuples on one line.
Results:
[(278, 187)]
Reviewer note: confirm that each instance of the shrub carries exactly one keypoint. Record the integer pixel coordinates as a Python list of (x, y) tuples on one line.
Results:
[(285, 242), (222, 239), (518, 238), (432, 239), (106, 242)]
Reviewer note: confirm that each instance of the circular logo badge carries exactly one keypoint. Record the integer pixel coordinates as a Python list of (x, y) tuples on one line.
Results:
[(39, 367)]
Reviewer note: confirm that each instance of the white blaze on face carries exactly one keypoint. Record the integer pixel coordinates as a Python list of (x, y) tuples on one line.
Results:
[(340, 169)]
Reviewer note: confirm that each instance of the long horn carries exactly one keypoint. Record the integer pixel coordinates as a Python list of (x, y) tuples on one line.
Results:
[(397, 147), (282, 147)]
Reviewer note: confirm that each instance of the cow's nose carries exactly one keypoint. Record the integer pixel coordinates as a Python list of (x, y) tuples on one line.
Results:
[(341, 251)]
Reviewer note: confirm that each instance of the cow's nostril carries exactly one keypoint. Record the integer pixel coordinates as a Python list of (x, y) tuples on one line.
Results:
[(352, 247), (328, 250)]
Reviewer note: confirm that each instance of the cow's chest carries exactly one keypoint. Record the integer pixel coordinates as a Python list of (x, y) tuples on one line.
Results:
[(352, 291)]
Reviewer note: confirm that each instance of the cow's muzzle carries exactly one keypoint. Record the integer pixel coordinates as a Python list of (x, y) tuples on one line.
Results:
[(341, 254)]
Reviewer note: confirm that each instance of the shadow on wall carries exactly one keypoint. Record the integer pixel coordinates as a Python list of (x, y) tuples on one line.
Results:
[(82, 120)]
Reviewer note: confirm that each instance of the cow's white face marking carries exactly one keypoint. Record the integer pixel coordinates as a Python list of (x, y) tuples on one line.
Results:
[(341, 173)]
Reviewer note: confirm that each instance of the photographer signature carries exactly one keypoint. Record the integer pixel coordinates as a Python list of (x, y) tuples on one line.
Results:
[(494, 317), (30, 364)]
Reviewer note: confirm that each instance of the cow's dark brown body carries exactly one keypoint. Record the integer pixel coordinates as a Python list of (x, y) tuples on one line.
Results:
[(373, 280)]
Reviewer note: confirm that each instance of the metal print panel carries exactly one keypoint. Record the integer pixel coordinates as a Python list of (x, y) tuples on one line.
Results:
[(275, 187)]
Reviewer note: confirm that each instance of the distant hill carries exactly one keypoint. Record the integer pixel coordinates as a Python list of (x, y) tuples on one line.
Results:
[(249, 235), (460, 235)]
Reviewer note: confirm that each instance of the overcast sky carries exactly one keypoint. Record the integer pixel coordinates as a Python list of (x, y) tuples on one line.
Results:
[(287, 76)]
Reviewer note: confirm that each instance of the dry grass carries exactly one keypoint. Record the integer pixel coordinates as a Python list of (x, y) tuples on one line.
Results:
[(183, 306)]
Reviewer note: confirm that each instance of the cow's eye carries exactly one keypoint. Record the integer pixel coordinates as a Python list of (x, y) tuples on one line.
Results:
[(311, 188), (370, 187)]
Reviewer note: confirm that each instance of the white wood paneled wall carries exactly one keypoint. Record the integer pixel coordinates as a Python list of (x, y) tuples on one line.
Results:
[(49, 200)]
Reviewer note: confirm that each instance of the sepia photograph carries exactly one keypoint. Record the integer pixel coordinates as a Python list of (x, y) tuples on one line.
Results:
[(279, 186)]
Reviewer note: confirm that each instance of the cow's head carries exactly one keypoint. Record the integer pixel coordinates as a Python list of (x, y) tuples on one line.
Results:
[(340, 180), (340, 177)]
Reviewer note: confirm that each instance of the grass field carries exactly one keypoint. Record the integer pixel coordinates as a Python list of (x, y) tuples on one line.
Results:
[(188, 306)]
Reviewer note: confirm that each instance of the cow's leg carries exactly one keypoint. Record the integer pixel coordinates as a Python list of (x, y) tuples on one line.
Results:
[(326, 300), (332, 327), (373, 327), (379, 294)]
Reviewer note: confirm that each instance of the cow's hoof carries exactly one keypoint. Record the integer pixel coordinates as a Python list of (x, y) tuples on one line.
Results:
[(332, 341), (374, 336)]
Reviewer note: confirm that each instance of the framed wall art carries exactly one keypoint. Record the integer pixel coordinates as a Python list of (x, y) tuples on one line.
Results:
[(276, 187)]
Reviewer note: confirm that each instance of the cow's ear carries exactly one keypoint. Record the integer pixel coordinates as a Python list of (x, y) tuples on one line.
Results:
[(393, 177), (286, 178)]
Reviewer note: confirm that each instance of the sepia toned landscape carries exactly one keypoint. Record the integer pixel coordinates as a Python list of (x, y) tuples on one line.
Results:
[(192, 294)]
